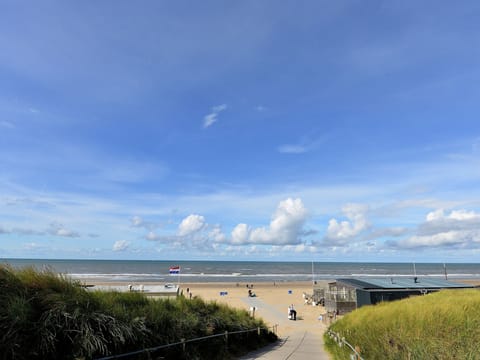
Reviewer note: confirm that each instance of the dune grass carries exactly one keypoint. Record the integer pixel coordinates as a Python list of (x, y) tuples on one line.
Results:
[(45, 315), (442, 325)]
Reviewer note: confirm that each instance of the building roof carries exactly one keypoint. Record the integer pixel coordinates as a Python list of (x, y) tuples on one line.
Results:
[(402, 283)]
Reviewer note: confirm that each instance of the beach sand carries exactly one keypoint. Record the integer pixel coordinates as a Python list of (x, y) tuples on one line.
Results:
[(271, 302)]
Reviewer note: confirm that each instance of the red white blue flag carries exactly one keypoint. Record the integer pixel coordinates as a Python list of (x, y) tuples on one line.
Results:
[(174, 270)]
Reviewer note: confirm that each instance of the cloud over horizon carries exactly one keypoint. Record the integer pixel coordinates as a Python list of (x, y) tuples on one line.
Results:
[(120, 245), (457, 229), (339, 233), (191, 224), (285, 228)]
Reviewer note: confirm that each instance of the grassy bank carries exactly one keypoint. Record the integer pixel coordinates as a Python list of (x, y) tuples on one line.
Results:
[(443, 325), (45, 316)]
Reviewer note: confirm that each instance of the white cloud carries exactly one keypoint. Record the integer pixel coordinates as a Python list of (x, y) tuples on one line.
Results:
[(459, 220), (191, 233), (65, 232), (139, 222), (60, 230), (285, 227), (191, 224), (287, 250), (339, 232), (120, 245), (460, 215), (240, 234), (212, 118), (292, 149), (217, 235), (219, 108), (435, 215), (459, 228), (305, 144), (449, 238)]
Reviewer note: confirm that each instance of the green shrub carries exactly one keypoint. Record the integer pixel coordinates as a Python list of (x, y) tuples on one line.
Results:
[(45, 315)]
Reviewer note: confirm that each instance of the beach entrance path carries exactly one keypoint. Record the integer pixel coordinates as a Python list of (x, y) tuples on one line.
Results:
[(300, 339), (299, 345)]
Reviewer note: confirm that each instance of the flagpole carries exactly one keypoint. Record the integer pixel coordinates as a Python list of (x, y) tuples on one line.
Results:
[(313, 277)]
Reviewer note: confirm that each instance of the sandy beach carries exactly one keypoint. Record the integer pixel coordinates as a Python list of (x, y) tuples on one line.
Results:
[(271, 302)]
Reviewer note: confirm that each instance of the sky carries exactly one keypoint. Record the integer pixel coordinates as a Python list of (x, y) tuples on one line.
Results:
[(251, 130)]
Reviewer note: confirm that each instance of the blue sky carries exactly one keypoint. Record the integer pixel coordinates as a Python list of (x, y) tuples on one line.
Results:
[(251, 130)]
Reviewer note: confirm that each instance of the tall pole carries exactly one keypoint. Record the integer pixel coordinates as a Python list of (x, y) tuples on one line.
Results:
[(445, 271), (313, 277)]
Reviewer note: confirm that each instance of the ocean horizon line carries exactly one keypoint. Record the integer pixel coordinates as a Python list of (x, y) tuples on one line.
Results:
[(239, 261)]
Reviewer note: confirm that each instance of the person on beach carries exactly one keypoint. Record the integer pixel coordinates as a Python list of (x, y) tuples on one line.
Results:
[(292, 313)]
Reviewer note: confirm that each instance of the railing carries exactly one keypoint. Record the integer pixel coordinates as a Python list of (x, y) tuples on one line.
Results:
[(183, 342), (341, 295), (341, 341)]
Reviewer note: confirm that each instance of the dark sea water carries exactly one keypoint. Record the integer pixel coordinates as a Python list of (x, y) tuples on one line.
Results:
[(241, 271)]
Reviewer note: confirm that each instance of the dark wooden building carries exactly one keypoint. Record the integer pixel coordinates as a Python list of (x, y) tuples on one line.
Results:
[(345, 295)]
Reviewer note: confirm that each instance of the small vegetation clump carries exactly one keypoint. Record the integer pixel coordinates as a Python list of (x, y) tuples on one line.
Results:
[(443, 325), (47, 316)]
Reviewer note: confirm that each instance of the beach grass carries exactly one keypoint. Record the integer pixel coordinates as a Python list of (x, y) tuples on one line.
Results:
[(46, 315), (442, 325)]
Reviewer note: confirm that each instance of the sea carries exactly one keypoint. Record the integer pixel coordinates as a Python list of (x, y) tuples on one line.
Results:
[(241, 271)]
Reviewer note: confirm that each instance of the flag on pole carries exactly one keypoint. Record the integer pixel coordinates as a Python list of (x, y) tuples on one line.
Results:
[(174, 270)]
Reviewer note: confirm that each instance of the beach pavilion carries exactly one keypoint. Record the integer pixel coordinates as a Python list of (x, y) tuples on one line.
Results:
[(345, 295)]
